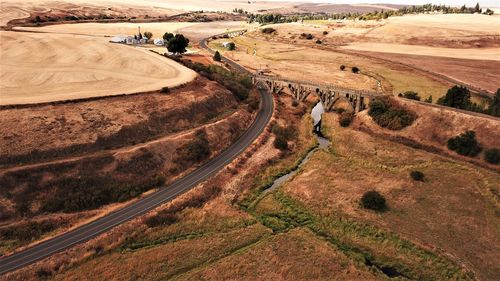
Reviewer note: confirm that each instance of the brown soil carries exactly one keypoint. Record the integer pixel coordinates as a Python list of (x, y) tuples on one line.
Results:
[(55, 127)]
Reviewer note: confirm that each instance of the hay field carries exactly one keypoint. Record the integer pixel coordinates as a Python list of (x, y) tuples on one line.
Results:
[(111, 29), (194, 31), (72, 67)]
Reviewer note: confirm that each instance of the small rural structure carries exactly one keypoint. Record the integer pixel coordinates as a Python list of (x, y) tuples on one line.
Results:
[(159, 42)]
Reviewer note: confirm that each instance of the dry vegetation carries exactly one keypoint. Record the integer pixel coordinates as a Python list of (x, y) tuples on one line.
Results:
[(434, 126), (445, 213), (136, 147)]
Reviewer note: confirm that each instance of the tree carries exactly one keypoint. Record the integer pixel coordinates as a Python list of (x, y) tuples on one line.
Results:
[(477, 9), (342, 67), (374, 201), (411, 95), (492, 155), (494, 108), (217, 56), (465, 144), (231, 46), (148, 35), (167, 36), (429, 99), (177, 44), (355, 69), (457, 97)]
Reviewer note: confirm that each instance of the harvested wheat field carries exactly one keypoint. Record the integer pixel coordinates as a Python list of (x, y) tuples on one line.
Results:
[(74, 67), (111, 29)]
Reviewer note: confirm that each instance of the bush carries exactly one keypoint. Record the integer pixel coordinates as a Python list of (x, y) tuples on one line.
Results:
[(346, 119), (162, 219), (492, 155), (411, 95), (318, 41), (325, 32), (387, 113), (374, 201), (342, 67), (355, 69), (309, 36), (417, 175), (268, 30), (217, 56), (465, 144), (283, 135), (165, 90), (280, 142), (231, 46), (196, 150)]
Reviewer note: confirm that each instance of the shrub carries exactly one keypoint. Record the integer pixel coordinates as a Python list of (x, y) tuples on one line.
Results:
[(268, 30), (411, 95), (196, 150), (148, 35), (492, 155), (318, 41), (342, 67), (465, 144), (280, 142), (417, 175), (325, 32), (374, 201), (346, 119), (387, 113), (429, 99), (162, 219), (231, 46), (165, 90), (355, 69), (217, 56), (309, 36)]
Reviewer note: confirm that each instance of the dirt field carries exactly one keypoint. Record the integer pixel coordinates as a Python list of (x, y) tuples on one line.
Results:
[(295, 61), (72, 67)]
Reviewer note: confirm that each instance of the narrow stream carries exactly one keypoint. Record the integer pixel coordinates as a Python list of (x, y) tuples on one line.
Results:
[(316, 113)]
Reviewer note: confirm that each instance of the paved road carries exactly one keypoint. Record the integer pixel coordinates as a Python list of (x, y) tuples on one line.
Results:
[(232, 64), (143, 205)]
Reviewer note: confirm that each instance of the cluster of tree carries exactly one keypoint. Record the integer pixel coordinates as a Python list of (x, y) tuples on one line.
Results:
[(387, 113), (239, 84), (283, 135), (375, 15), (460, 97), (307, 36), (176, 44), (239, 11)]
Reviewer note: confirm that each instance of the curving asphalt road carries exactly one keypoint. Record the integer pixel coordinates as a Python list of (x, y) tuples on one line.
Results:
[(143, 205)]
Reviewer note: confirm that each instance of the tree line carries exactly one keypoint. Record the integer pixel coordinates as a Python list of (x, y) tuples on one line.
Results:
[(375, 15)]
